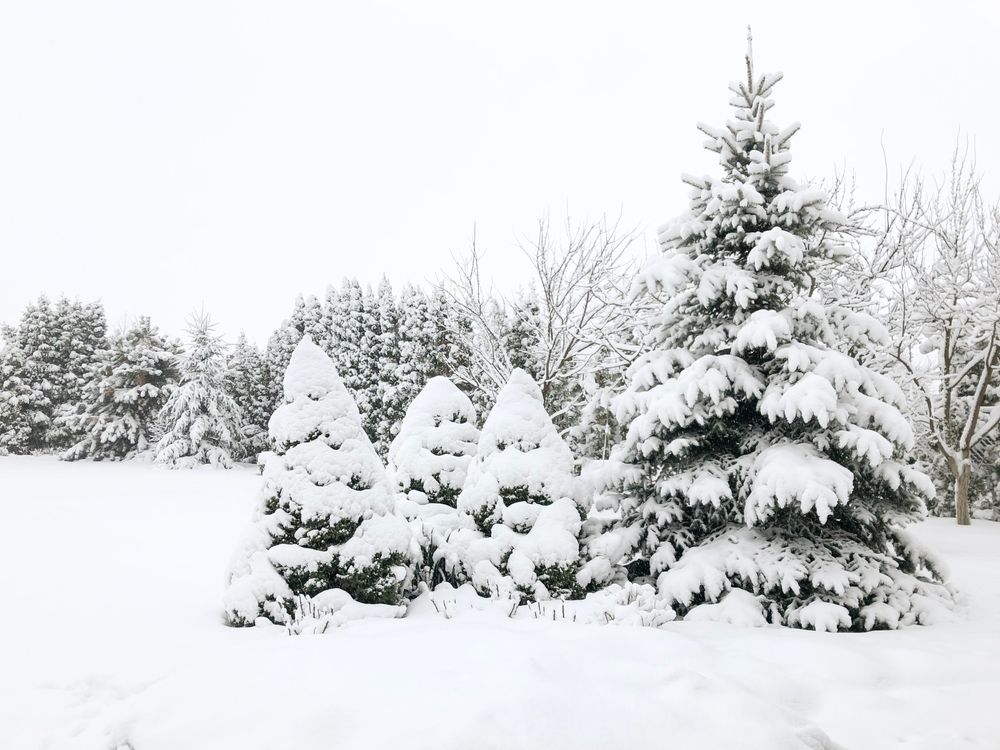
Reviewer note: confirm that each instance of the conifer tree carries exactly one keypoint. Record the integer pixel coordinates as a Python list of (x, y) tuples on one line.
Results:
[(429, 458), (246, 382), (416, 343), (16, 397), (124, 393), (82, 334), (522, 334), (757, 455), (37, 376), (201, 420), (346, 334), (326, 524), (366, 389), (391, 403), (522, 492)]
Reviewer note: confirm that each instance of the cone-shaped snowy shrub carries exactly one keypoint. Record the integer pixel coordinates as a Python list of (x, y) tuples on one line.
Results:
[(758, 456), (326, 520), (429, 458), (522, 492), (201, 419)]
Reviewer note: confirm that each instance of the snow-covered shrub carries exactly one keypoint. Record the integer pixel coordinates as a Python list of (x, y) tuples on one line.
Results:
[(326, 520), (525, 500), (201, 420), (430, 456), (757, 455), (428, 461)]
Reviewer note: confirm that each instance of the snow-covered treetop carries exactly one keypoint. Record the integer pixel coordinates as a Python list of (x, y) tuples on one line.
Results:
[(310, 373), (751, 237), (436, 439), (520, 447)]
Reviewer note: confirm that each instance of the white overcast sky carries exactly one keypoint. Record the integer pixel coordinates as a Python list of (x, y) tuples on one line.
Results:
[(162, 156)]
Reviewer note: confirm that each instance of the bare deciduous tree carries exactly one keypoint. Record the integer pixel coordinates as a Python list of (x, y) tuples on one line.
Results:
[(934, 275), (578, 276)]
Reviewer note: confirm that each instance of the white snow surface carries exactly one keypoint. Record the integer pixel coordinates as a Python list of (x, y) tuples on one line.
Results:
[(112, 637)]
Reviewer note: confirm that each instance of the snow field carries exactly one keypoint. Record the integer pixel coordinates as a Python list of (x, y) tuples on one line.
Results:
[(112, 637)]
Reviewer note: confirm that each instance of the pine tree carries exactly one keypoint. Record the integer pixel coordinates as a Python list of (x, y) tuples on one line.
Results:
[(82, 334), (390, 398), (200, 418), (416, 344), (124, 393), (346, 334), (366, 389), (246, 382), (522, 333), (326, 524), (758, 456), (522, 492), (16, 397), (448, 350), (37, 375)]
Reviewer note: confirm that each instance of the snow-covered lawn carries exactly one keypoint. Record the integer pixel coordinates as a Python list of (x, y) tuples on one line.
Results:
[(111, 637)]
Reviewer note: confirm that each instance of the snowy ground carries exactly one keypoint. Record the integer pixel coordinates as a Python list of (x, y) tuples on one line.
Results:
[(111, 637)]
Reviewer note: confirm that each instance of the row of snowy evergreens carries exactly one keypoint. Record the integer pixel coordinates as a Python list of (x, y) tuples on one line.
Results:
[(67, 386), (765, 473)]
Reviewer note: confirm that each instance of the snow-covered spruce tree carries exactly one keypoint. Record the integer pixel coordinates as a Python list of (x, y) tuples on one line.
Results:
[(82, 334), (416, 344), (522, 333), (391, 405), (326, 524), (523, 495), (757, 456), (437, 439), (246, 383), (366, 389), (201, 421), (16, 396), (124, 392), (37, 373)]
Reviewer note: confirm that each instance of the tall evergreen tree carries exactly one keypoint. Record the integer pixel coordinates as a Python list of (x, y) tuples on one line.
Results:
[(246, 382), (758, 456), (346, 328), (38, 374), (82, 334), (327, 523), (16, 399), (416, 344), (201, 420), (522, 334), (366, 386), (123, 395), (391, 398)]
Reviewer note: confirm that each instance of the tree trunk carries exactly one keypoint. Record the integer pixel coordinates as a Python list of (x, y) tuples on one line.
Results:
[(962, 482)]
